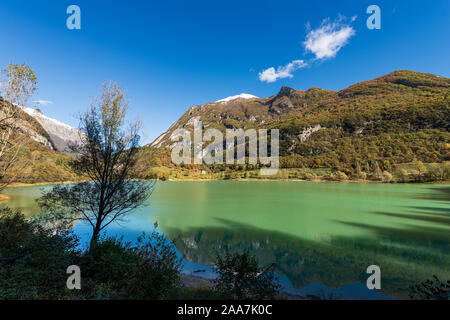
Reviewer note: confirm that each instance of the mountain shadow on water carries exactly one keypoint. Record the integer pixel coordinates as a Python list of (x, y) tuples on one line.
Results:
[(333, 262)]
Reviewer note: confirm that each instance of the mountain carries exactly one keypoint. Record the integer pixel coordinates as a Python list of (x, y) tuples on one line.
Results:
[(61, 134), (29, 127), (38, 158), (186, 120), (396, 118)]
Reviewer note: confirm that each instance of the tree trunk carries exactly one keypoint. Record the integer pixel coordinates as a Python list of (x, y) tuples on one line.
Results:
[(95, 235)]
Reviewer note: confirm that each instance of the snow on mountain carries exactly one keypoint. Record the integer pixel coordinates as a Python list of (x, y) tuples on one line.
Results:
[(61, 134), (239, 96)]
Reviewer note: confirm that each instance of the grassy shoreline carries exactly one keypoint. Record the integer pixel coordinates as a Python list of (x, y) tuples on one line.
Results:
[(21, 184), (304, 180), (415, 172)]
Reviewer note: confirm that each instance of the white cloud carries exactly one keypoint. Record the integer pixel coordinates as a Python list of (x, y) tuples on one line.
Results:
[(272, 75), (326, 41), (43, 102)]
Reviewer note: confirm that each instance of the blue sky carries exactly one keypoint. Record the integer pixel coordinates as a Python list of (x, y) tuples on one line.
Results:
[(170, 55)]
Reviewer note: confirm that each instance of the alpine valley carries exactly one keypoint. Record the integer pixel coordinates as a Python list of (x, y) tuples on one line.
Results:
[(394, 128)]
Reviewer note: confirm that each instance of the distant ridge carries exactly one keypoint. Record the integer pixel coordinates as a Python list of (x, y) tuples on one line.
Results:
[(395, 118), (61, 134)]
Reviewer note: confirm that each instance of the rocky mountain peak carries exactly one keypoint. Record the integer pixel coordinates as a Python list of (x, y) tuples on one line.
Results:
[(285, 91), (61, 134)]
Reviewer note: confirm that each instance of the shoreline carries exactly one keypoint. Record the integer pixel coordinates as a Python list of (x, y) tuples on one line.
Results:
[(23, 184), (303, 180), (192, 281), (4, 198), (197, 282)]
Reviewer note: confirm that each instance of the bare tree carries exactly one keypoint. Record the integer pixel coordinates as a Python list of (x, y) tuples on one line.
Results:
[(106, 158), (18, 83)]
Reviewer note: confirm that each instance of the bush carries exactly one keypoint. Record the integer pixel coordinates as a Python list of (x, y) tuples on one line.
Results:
[(33, 260), (157, 174), (338, 176), (108, 264), (163, 175), (148, 270), (156, 275), (432, 289), (387, 177), (310, 176), (404, 176), (241, 278), (362, 175)]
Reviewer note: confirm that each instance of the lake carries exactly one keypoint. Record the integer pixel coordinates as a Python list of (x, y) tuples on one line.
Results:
[(321, 236)]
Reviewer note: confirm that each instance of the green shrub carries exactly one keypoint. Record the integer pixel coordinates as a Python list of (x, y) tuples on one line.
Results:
[(156, 275), (148, 270), (387, 177), (431, 289), (338, 176), (239, 277), (310, 176), (33, 260), (158, 174), (109, 263)]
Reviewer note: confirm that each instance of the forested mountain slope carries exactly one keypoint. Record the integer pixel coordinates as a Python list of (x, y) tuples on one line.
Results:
[(400, 117)]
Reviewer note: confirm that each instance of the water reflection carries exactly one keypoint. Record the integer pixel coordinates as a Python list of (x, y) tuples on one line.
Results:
[(406, 253), (316, 234), (341, 261)]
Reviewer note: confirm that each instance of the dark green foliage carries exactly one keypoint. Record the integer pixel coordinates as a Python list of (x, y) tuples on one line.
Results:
[(240, 277), (109, 262), (33, 260), (433, 289), (149, 270), (156, 275)]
